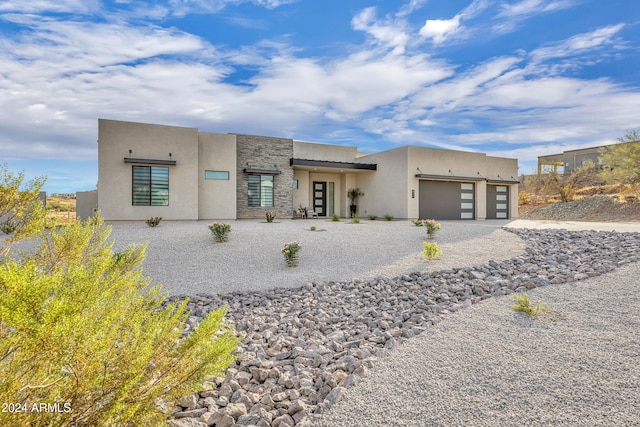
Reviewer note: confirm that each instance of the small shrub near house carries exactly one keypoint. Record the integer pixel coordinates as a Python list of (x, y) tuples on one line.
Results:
[(432, 226), (355, 219), (154, 221), (220, 231), (270, 216), (335, 217), (388, 217), (431, 250), (290, 252), (372, 217)]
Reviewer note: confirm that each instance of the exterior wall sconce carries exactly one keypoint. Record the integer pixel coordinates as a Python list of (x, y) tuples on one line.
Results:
[(413, 193)]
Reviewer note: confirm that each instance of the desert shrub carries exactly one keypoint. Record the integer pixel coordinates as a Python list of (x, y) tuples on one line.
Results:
[(432, 227), (388, 217), (154, 221), (355, 219), (335, 217), (523, 198), (431, 250), (313, 228), (80, 327), (290, 252), (270, 216), (372, 217), (523, 304), (20, 207), (417, 222), (220, 231)]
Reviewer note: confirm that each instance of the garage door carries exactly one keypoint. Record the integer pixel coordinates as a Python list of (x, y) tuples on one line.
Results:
[(446, 200), (497, 202)]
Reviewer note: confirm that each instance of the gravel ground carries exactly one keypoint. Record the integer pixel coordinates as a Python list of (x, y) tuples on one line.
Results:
[(183, 256), (576, 365)]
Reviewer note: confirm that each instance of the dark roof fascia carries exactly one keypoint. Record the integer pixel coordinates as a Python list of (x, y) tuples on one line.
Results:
[(150, 161), (262, 171), (503, 181), (332, 164), (449, 177)]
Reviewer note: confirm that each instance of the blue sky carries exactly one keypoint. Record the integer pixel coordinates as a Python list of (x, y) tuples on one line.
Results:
[(515, 78)]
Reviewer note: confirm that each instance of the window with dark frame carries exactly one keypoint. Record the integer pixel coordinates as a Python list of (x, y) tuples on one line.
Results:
[(260, 190), (150, 186)]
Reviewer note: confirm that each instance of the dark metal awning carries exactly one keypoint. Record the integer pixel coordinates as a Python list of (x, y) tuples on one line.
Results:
[(332, 164), (449, 177), (150, 161), (502, 181), (262, 171)]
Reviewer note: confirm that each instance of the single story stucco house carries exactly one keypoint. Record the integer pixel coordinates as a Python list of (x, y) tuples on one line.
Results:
[(181, 173)]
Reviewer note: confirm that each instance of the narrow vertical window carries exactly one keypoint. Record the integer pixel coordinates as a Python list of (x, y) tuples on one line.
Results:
[(260, 190)]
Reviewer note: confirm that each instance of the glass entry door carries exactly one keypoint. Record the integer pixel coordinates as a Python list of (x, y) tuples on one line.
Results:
[(320, 198)]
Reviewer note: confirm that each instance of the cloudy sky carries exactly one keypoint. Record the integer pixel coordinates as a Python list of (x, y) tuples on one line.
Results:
[(515, 78)]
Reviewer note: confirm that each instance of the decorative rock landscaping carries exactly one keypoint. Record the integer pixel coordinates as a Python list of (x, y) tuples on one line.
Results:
[(303, 348)]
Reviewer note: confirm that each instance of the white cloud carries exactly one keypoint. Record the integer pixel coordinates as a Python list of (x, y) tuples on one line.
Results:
[(534, 7), (440, 29), (387, 32), (39, 6)]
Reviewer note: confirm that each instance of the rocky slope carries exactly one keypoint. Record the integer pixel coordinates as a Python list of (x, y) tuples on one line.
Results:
[(597, 208)]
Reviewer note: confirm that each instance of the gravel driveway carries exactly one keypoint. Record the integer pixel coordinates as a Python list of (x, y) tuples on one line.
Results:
[(183, 257)]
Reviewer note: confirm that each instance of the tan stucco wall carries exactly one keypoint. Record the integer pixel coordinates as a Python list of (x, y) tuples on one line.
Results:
[(217, 198), (301, 195), (147, 141), (313, 151), (86, 202), (385, 190)]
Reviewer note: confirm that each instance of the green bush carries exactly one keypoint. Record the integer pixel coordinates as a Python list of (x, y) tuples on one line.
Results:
[(432, 227), (313, 228), (220, 231), (388, 217), (154, 221), (270, 216), (373, 217), (335, 217), (355, 219), (418, 222), (81, 328), (523, 304), (290, 252), (431, 250)]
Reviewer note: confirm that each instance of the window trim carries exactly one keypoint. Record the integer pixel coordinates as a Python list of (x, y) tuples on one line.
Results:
[(217, 172), (159, 184)]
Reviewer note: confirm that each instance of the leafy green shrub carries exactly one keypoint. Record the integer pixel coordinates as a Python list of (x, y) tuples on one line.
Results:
[(313, 228), (373, 217), (154, 221), (270, 216), (388, 217), (220, 231), (20, 207), (417, 222), (80, 328), (432, 227), (431, 250), (290, 252), (523, 304), (335, 217), (355, 219), (7, 227)]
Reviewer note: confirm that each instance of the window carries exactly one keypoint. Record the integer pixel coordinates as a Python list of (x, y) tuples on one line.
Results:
[(217, 175), (150, 186), (295, 184), (260, 190)]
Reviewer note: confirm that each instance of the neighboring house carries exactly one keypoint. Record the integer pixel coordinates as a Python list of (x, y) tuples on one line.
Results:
[(568, 161), (181, 173)]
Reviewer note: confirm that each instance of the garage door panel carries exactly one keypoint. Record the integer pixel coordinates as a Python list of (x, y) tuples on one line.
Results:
[(443, 200)]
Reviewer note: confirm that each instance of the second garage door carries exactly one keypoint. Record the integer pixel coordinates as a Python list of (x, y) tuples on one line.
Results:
[(442, 200)]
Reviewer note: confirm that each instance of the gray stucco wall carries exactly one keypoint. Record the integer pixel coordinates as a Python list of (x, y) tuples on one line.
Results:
[(261, 152), (86, 202)]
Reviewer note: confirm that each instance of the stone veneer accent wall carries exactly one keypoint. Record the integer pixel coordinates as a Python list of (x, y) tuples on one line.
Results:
[(262, 152)]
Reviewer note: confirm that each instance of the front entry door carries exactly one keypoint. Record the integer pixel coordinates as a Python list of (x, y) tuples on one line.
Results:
[(320, 198)]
